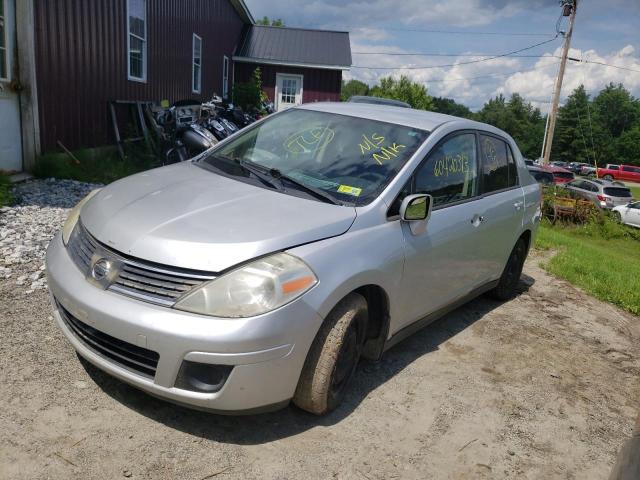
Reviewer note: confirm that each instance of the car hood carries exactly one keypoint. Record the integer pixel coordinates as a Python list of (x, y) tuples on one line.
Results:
[(188, 217)]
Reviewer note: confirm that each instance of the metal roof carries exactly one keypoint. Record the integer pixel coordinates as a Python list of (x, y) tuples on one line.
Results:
[(296, 47)]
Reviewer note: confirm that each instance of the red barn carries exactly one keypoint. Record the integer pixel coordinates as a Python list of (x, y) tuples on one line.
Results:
[(63, 61)]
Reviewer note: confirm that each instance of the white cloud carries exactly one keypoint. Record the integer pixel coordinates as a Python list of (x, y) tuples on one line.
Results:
[(538, 85), (535, 83)]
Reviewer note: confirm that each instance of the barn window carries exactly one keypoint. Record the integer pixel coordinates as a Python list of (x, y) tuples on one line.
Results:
[(137, 39), (225, 77), (4, 64), (197, 63)]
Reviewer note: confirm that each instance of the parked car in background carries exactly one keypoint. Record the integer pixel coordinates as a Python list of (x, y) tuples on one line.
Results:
[(603, 193), (261, 272), (576, 167), (560, 175), (588, 171), (528, 162), (558, 164), (541, 175), (625, 173), (628, 214)]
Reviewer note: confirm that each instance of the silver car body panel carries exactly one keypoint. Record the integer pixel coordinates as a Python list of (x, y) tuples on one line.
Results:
[(187, 217), (191, 218)]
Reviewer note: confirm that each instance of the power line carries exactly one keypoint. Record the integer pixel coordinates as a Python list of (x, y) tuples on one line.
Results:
[(620, 67), (460, 63), (422, 54), (492, 75)]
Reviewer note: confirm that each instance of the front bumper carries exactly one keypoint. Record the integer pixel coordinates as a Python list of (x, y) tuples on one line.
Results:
[(267, 352)]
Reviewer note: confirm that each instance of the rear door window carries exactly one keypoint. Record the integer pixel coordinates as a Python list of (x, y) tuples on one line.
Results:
[(450, 171), (617, 192), (498, 166)]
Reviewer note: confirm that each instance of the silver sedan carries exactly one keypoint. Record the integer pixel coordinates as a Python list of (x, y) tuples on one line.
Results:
[(262, 271)]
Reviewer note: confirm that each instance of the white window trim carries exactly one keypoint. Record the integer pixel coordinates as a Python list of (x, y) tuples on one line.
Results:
[(7, 47), (225, 80), (130, 77), (276, 104), (193, 65)]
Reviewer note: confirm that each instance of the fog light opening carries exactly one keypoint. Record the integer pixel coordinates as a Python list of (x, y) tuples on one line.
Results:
[(202, 377)]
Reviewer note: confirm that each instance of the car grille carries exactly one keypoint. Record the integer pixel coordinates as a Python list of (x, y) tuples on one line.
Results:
[(138, 359), (136, 278)]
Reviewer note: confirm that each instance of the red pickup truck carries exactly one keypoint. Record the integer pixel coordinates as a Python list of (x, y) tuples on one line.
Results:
[(626, 173)]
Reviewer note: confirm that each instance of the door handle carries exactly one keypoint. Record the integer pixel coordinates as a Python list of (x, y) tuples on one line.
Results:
[(477, 220), (518, 205)]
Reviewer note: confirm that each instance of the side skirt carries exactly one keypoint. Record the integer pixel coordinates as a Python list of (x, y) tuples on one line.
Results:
[(432, 317)]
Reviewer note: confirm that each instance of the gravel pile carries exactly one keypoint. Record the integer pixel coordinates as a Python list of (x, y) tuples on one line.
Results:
[(27, 227)]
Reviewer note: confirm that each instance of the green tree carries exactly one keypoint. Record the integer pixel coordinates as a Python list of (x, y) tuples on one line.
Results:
[(616, 110), (628, 146), (249, 95), (519, 119), (450, 107), (572, 137), (276, 22), (413, 93), (353, 87)]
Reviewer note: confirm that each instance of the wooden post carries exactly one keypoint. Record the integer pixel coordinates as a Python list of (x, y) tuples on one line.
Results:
[(556, 94)]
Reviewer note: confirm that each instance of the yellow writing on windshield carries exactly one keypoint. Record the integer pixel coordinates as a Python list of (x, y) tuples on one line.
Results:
[(451, 164), (374, 144), (309, 140)]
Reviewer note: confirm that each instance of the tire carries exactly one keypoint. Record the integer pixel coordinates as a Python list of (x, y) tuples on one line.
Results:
[(510, 278), (617, 217), (608, 177), (333, 357)]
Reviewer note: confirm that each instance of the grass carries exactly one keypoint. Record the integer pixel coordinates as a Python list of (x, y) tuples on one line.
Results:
[(635, 191), (601, 258), (99, 165), (6, 198)]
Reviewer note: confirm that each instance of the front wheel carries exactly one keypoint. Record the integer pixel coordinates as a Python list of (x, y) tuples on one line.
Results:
[(608, 177), (617, 217), (333, 357), (510, 278)]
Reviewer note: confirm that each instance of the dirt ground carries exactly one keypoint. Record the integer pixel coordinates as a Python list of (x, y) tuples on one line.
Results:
[(544, 386)]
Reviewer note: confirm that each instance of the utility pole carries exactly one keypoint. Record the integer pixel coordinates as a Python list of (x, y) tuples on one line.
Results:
[(569, 7)]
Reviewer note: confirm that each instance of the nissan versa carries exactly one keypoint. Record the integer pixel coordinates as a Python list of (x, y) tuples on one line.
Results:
[(261, 271)]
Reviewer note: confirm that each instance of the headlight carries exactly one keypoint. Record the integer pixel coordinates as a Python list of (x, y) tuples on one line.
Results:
[(254, 289), (72, 219)]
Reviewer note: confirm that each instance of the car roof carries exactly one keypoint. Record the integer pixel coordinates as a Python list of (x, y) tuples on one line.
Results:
[(409, 117)]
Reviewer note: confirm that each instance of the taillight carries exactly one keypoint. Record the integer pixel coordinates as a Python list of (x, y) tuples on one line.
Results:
[(601, 198)]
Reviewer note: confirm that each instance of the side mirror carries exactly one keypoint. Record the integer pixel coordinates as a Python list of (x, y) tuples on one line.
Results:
[(416, 207)]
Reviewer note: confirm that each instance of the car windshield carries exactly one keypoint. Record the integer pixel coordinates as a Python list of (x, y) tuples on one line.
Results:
[(617, 192), (351, 159)]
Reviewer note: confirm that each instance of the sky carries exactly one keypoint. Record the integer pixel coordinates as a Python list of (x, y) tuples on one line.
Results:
[(606, 31)]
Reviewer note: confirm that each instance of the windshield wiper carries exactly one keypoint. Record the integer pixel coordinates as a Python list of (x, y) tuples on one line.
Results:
[(251, 167), (268, 175), (312, 190), (262, 173)]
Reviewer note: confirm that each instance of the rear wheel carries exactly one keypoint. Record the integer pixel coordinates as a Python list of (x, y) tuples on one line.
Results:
[(510, 278), (333, 357)]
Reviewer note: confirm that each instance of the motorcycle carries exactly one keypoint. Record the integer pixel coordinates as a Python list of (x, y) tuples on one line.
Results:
[(187, 138)]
